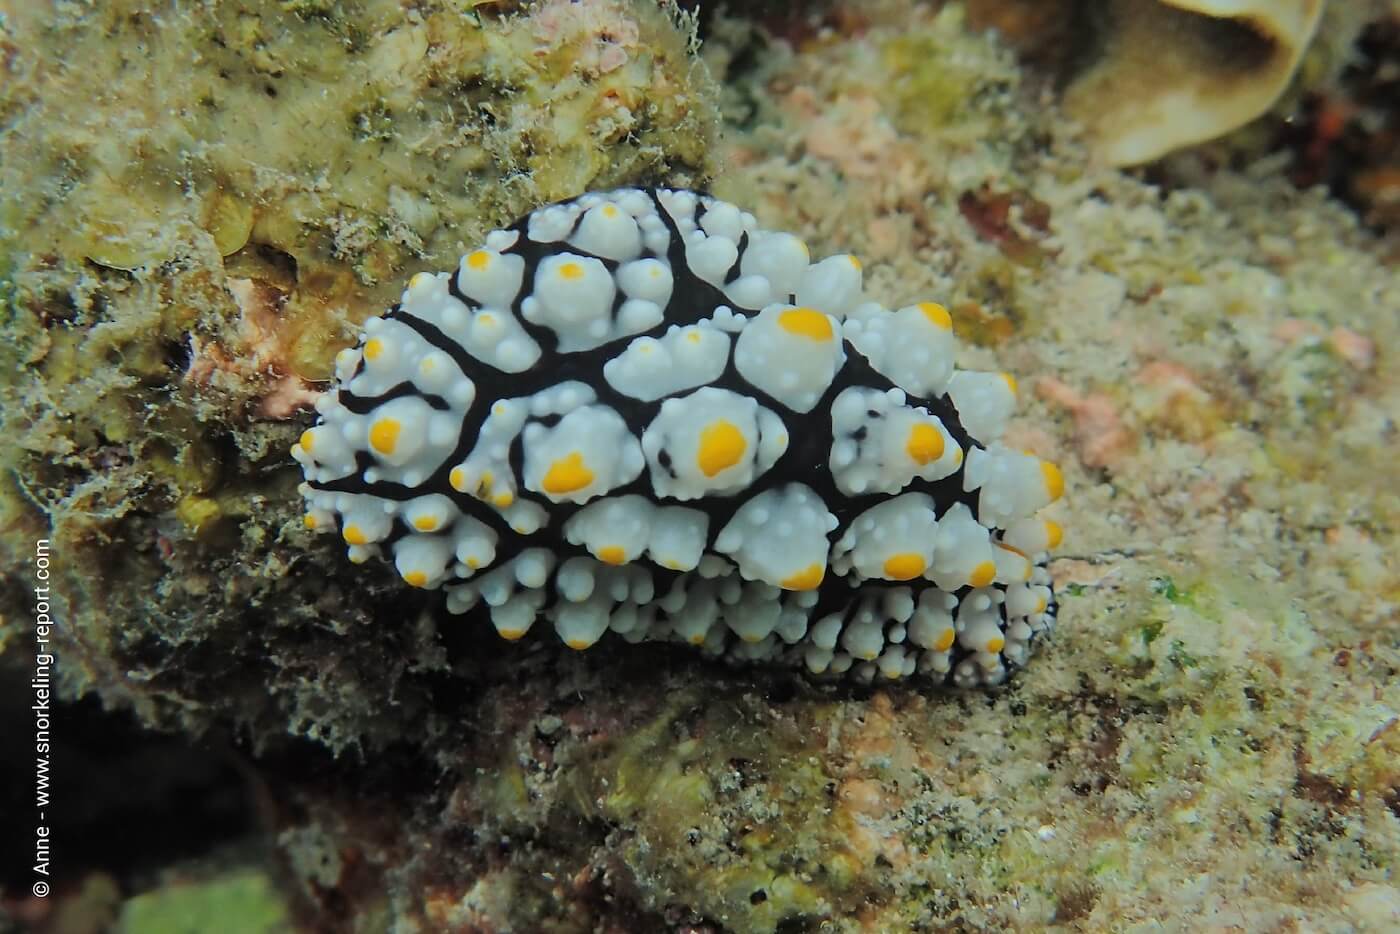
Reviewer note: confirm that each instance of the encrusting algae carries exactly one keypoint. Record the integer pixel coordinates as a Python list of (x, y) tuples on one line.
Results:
[(189, 235), (1210, 364)]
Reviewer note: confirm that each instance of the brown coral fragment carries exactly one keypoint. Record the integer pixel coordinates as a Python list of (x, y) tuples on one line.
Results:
[(980, 326), (1011, 220)]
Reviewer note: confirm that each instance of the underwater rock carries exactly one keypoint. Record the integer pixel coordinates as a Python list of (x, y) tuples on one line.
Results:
[(1172, 73), (190, 231)]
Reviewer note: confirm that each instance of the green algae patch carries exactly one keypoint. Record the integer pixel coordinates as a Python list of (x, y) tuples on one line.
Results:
[(726, 810), (242, 902), (1194, 629), (942, 76), (931, 95)]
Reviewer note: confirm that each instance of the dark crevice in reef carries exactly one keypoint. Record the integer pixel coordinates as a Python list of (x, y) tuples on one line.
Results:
[(113, 783), (788, 19), (1347, 137)]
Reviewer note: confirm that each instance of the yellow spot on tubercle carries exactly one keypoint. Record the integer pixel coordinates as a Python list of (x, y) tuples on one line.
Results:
[(306, 438), (373, 348), (384, 435), (855, 262), (418, 280), (609, 210), (983, 574), (416, 579), (1010, 382), (473, 563), (904, 566), (697, 639), (612, 554), (693, 337), (806, 322), (1041, 604), (995, 644), (1054, 534), (925, 444), (426, 366), (945, 640), (722, 444), (503, 499), (566, 475), (499, 410), (806, 579), (486, 318), (353, 535), (479, 260), (1054, 480), (511, 634), (570, 271), (937, 315), (425, 523), (309, 521), (458, 479), (578, 644)]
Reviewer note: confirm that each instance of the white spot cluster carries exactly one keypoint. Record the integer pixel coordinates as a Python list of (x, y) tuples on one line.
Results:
[(880, 444), (651, 368), (489, 329), (711, 442), (619, 530), (790, 353), (984, 402), (588, 453), (638, 412), (780, 537)]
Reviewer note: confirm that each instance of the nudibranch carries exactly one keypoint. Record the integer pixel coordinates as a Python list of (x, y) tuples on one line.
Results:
[(640, 412)]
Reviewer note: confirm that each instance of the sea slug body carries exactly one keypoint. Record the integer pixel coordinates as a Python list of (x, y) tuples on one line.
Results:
[(640, 412)]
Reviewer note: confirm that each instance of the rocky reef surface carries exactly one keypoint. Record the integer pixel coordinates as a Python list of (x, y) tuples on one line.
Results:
[(1210, 739), (199, 207)]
